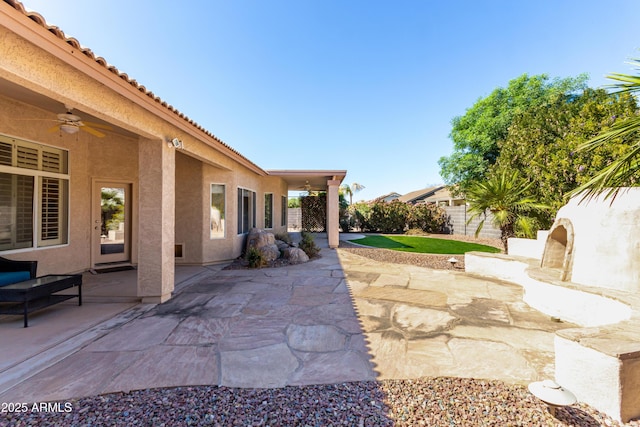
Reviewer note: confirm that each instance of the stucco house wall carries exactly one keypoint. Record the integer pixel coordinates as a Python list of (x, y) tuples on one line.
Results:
[(44, 73), (113, 158)]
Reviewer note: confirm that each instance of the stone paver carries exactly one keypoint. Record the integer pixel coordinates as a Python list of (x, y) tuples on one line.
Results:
[(270, 365), (339, 318)]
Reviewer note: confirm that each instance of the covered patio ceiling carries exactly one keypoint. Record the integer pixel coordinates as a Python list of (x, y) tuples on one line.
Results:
[(308, 180), (53, 106)]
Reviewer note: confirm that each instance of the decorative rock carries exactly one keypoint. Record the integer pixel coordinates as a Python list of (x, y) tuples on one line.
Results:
[(264, 242), (295, 255), (258, 238), (283, 246), (270, 252)]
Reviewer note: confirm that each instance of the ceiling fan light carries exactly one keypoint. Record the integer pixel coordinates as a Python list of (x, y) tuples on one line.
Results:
[(70, 129)]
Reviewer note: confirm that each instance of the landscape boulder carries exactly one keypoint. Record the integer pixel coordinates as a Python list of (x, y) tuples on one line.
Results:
[(264, 242), (295, 255), (283, 246)]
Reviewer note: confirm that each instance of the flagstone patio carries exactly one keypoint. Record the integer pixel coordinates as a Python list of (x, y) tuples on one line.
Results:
[(339, 318)]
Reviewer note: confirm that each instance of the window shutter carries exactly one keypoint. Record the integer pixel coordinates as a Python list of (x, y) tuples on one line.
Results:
[(51, 161), (6, 214), (6, 154), (50, 220), (21, 219), (27, 157), (16, 211), (24, 211)]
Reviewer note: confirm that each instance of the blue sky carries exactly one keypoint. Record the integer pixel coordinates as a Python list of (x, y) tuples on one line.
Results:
[(367, 86)]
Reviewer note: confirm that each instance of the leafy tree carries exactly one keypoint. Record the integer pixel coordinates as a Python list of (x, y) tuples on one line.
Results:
[(542, 143), (294, 202), (505, 195), (477, 134), (624, 170)]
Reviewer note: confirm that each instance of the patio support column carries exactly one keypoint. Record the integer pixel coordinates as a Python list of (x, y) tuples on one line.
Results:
[(156, 221), (333, 213)]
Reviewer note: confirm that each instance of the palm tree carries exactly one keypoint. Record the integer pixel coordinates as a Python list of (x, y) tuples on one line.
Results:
[(351, 190), (112, 209), (624, 171), (505, 196)]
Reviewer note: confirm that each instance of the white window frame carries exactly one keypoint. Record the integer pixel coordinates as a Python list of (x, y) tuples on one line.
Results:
[(31, 159), (223, 214), (251, 194)]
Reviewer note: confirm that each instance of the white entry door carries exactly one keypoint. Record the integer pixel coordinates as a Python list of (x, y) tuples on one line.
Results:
[(111, 232)]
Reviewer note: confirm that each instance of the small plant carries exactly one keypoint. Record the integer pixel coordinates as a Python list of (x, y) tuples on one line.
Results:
[(308, 245), (255, 258)]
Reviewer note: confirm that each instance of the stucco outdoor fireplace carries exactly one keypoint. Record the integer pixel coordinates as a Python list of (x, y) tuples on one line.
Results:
[(596, 242)]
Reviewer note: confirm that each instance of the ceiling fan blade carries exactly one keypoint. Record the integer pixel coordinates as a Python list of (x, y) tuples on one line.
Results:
[(92, 131), (97, 125), (54, 129), (31, 120)]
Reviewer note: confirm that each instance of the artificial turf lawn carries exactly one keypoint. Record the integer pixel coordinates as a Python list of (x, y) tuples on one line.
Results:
[(425, 245)]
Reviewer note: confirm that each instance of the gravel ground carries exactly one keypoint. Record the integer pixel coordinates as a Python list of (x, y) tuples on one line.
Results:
[(423, 402)]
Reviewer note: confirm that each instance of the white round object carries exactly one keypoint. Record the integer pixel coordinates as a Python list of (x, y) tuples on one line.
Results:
[(552, 393)]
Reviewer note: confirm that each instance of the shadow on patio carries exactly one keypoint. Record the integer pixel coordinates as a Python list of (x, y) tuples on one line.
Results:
[(341, 318)]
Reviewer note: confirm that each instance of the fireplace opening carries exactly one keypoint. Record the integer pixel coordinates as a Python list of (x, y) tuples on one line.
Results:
[(559, 247)]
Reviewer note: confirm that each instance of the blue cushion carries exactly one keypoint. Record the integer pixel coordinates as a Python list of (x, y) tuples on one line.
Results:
[(9, 277)]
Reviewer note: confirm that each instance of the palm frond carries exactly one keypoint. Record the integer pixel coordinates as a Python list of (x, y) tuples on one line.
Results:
[(625, 170), (527, 226), (619, 130)]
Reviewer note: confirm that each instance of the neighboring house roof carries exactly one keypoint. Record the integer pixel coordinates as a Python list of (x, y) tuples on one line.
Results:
[(419, 195), (143, 91), (387, 197), (440, 195)]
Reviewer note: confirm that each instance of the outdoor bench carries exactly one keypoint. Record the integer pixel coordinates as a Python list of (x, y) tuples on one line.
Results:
[(16, 271), (22, 293)]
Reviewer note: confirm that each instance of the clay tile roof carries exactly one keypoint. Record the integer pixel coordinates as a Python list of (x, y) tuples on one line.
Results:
[(36, 17)]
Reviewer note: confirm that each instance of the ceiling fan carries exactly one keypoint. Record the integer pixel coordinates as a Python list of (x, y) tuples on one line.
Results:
[(305, 187), (71, 123)]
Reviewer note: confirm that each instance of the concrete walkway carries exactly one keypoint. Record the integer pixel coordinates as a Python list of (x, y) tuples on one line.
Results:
[(339, 318)]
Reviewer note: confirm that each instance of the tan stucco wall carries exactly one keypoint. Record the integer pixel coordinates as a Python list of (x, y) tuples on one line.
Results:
[(115, 158), (189, 208), (193, 198), (68, 77), (109, 158)]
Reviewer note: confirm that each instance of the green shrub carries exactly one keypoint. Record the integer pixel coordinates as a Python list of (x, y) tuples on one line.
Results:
[(347, 222), (428, 218), (361, 213), (397, 216), (308, 245), (389, 217), (255, 258)]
